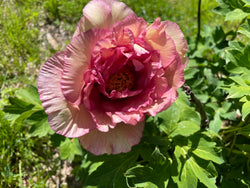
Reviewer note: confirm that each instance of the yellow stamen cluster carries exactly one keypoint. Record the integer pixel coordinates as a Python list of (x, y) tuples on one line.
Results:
[(124, 79)]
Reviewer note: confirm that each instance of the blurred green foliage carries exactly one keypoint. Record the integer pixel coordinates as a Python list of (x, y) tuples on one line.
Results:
[(174, 151)]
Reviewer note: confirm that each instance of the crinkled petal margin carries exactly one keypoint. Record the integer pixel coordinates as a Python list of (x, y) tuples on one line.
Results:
[(174, 31), (77, 62), (117, 140), (64, 117)]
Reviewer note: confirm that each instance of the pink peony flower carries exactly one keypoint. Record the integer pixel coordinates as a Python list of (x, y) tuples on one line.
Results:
[(115, 70)]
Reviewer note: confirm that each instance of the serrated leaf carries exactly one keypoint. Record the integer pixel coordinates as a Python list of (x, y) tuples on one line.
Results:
[(245, 110), (69, 148), (185, 128), (206, 150), (41, 128), (199, 173), (236, 14)]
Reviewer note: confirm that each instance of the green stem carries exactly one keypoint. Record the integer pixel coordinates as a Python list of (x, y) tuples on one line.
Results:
[(233, 143), (228, 130), (239, 152), (198, 24)]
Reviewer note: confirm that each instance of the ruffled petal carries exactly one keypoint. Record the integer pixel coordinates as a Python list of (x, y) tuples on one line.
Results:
[(92, 102), (77, 62), (119, 10), (71, 121), (117, 140), (174, 31), (131, 118), (175, 73), (135, 24), (64, 117), (102, 14), (162, 103), (83, 26), (48, 79), (98, 13), (158, 39)]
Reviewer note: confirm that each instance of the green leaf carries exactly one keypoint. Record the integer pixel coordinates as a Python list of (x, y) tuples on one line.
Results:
[(245, 58), (188, 169), (245, 109), (178, 112), (190, 69), (171, 115), (19, 120), (216, 123), (158, 157), (17, 106), (181, 172), (41, 128), (156, 173), (238, 91), (236, 45), (236, 14), (239, 80), (245, 29), (223, 9), (141, 176), (190, 73), (185, 128), (206, 150), (111, 172), (200, 173), (187, 178), (29, 95), (69, 148), (246, 1)]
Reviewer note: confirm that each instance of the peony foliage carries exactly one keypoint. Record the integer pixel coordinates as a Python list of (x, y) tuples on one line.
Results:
[(151, 130)]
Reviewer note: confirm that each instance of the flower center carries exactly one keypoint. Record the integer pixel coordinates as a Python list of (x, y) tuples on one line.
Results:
[(124, 79)]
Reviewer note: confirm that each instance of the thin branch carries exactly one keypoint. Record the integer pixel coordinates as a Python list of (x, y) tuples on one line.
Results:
[(199, 106), (198, 24)]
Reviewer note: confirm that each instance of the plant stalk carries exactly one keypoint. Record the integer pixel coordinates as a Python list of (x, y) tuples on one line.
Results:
[(198, 24), (199, 106)]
